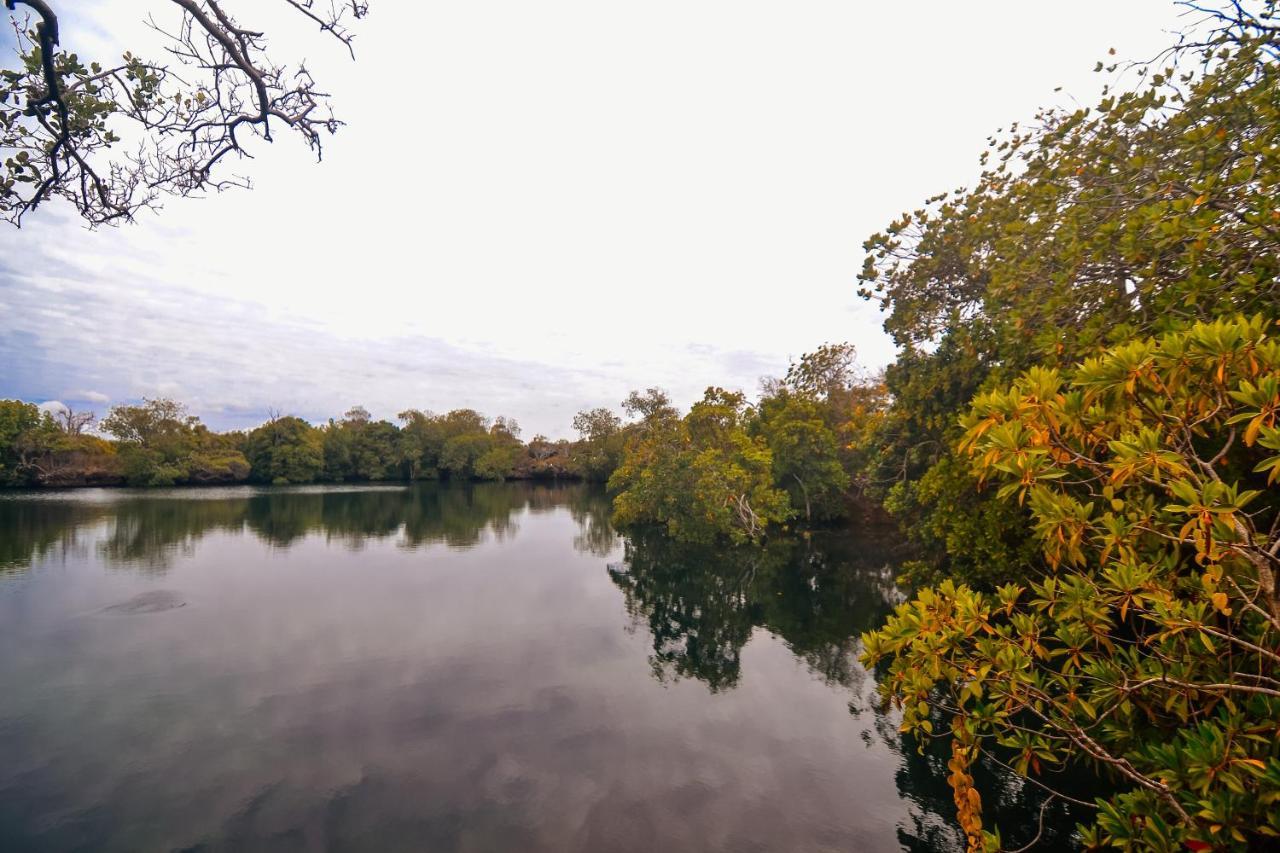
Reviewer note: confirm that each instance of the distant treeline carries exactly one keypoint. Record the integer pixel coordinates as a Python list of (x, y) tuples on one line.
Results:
[(729, 468), (158, 443)]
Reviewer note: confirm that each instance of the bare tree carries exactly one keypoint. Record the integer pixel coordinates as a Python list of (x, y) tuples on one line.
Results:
[(357, 415), (216, 91), (72, 422)]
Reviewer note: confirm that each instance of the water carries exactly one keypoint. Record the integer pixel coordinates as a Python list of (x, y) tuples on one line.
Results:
[(443, 668)]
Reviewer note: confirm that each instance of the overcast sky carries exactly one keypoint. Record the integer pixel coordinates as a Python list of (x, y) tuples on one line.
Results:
[(537, 206)]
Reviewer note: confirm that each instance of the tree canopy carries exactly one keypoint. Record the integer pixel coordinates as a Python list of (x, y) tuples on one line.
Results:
[(1082, 441), (1150, 651), (157, 443), (1089, 227)]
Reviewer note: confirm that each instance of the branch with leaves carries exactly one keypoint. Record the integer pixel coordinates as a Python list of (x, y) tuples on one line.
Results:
[(1149, 650), (117, 138)]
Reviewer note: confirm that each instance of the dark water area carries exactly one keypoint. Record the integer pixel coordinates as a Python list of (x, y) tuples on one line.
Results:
[(446, 668)]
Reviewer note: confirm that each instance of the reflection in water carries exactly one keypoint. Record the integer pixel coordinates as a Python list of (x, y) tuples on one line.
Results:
[(33, 531), (701, 603), (445, 667), (147, 529)]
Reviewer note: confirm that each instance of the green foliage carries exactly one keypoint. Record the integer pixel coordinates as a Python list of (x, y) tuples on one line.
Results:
[(1151, 649), (285, 450), (650, 406), (503, 453), (159, 444), (154, 424), (359, 448), (950, 516), (702, 477), (826, 374), (460, 453), (61, 118), (462, 444), (1156, 208), (905, 455), (37, 450), (19, 421), (498, 462), (421, 444), (602, 443), (729, 470), (472, 448), (805, 454), (815, 421), (87, 111)]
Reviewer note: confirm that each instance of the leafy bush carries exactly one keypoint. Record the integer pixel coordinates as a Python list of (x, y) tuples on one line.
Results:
[(1149, 649), (1157, 207), (702, 476), (285, 450)]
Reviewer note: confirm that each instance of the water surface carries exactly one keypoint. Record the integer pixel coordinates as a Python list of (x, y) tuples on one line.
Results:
[(442, 668)]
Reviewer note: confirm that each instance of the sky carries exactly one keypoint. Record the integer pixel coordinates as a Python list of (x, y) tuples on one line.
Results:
[(536, 207)]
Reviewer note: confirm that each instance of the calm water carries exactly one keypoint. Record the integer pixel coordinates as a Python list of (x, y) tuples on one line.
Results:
[(440, 668)]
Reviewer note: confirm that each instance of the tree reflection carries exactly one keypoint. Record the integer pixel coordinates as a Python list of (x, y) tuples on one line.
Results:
[(145, 534), (591, 509), (40, 530), (146, 531), (702, 602), (697, 605), (460, 515)]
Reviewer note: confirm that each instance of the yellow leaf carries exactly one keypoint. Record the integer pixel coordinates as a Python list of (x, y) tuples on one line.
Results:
[(1251, 432)]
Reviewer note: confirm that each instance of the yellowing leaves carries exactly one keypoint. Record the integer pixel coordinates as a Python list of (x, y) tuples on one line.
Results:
[(1132, 473)]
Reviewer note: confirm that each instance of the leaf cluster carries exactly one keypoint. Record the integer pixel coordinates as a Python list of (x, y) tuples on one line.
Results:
[(1150, 651)]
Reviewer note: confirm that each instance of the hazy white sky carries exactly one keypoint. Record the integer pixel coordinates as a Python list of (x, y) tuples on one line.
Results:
[(537, 206)]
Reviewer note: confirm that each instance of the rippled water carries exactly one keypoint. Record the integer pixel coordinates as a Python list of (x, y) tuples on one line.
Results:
[(442, 668)]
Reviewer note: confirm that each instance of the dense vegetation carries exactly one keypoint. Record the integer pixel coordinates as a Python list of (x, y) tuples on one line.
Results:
[(733, 470), (157, 443), (1153, 210), (1150, 646), (1083, 443)]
